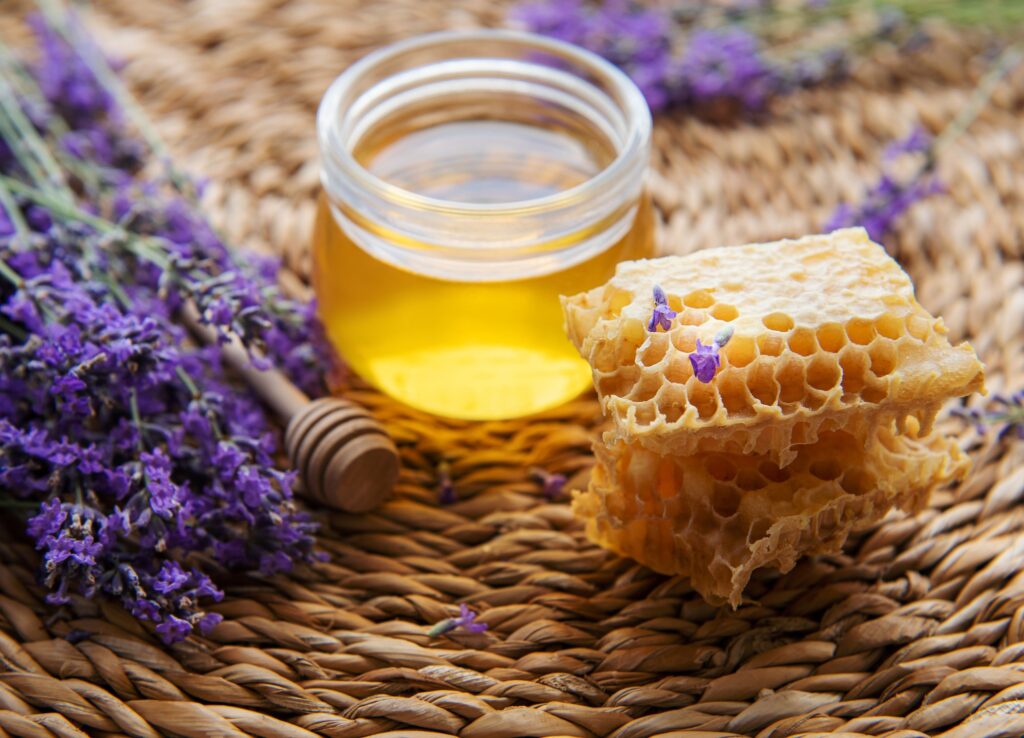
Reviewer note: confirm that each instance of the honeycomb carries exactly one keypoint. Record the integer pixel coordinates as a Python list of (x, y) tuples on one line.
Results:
[(717, 517), (827, 335), (817, 422)]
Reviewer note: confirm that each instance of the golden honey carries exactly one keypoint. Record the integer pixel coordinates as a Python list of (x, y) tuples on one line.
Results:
[(440, 258)]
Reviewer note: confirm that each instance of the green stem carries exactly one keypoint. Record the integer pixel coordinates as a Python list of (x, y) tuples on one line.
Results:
[(13, 211), (187, 381), (12, 329), (26, 88), (141, 246), (26, 135), (1007, 60), (133, 402), (9, 504)]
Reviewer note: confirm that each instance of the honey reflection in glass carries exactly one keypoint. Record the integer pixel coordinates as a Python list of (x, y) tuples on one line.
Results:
[(468, 349)]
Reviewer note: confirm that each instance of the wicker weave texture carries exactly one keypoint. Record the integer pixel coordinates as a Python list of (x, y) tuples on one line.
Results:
[(917, 629)]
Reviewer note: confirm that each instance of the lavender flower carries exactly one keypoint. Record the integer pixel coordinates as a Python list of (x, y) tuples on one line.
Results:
[(726, 64), (706, 359), (465, 620), (1004, 413), (67, 82), (917, 142), (445, 488), (551, 484), (890, 197), (662, 315)]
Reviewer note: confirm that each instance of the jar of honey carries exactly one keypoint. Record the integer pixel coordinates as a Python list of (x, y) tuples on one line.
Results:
[(469, 179)]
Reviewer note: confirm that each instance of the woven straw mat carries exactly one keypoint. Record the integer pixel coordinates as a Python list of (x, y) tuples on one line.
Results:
[(916, 629)]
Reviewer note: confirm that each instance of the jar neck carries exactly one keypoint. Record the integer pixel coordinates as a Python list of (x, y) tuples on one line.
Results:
[(474, 241)]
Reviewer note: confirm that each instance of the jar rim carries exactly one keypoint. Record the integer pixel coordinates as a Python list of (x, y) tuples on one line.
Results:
[(636, 142)]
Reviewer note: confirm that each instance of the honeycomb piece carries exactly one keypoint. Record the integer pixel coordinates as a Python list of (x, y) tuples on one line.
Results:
[(718, 517), (827, 335)]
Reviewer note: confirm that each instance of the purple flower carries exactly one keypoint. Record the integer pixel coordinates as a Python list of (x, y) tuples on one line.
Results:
[(1003, 412), (706, 359), (662, 315), (889, 198), (445, 488), (883, 204), (726, 63), (552, 484), (563, 20), (170, 578), (918, 142), (173, 629), (466, 619), (48, 521), (209, 621)]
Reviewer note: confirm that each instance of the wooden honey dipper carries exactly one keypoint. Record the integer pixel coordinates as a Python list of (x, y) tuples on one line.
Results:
[(344, 457)]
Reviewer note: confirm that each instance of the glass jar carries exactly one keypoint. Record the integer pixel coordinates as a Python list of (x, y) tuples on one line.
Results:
[(469, 179)]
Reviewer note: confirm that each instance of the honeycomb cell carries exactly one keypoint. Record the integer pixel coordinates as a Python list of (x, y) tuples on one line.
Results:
[(761, 383), (735, 396), (679, 370), (826, 469), (890, 327), (684, 339), (823, 373), (854, 365), (672, 401), (883, 358), (699, 299), (645, 389), (617, 299), (726, 501), (801, 341), (860, 331), (740, 351), (725, 312), (749, 479), (646, 413), (790, 376), (692, 317), (873, 395), (719, 467), (777, 322), (857, 481), (770, 344), (772, 472), (831, 337), (655, 350), (703, 397)]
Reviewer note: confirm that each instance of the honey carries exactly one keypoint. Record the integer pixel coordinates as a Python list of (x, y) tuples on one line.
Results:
[(440, 258)]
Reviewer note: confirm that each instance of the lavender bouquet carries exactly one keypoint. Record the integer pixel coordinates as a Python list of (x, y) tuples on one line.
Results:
[(139, 461), (729, 56)]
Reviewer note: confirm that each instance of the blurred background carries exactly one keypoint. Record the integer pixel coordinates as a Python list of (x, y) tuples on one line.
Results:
[(773, 118)]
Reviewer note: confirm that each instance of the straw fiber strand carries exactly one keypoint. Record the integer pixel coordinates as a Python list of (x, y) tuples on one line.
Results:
[(916, 629)]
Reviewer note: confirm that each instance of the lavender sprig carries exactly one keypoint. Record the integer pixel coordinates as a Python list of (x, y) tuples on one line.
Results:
[(1004, 414), (662, 315), (466, 619), (705, 360), (891, 196)]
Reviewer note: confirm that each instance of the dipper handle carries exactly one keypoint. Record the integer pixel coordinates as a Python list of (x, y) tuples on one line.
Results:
[(344, 457)]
